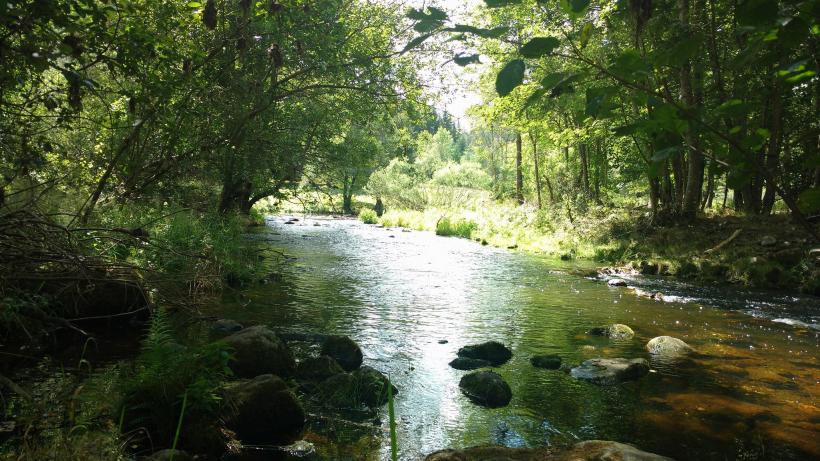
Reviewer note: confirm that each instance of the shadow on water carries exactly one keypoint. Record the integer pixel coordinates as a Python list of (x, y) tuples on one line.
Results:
[(749, 392)]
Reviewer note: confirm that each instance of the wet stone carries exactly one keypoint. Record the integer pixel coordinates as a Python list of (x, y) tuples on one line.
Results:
[(486, 388), (491, 351), (549, 362), (610, 371), (465, 363)]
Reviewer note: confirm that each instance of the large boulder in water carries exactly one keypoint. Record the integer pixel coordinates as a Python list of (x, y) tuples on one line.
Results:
[(344, 350), (596, 450), (262, 411), (258, 350), (610, 371), (224, 327), (486, 388), (466, 363), (667, 347), (318, 368), (592, 450), (613, 331), (491, 351), (363, 387)]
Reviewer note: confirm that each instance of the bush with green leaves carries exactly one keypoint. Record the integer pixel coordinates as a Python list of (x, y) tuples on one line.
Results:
[(368, 216), (465, 174), (459, 227)]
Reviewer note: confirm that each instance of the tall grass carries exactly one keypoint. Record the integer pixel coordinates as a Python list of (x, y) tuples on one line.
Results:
[(391, 412), (459, 228), (368, 216)]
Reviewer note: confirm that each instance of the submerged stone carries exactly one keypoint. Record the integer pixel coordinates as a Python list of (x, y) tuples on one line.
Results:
[(667, 346), (614, 331), (610, 371), (466, 363), (486, 388), (549, 362), (591, 450), (344, 350), (491, 351), (616, 282)]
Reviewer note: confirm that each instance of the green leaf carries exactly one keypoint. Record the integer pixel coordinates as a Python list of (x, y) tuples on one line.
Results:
[(416, 42), (575, 8), (625, 130), (630, 65), (500, 3), (757, 13), (809, 200), (539, 46), (495, 32), (465, 59), (194, 4), (586, 34), (552, 80), (427, 25), (511, 76), (535, 96), (734, 108), (598, 104), (681, 50), (434, 14)]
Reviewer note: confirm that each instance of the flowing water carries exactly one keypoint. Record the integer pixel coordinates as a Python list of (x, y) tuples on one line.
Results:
[(750, 392)]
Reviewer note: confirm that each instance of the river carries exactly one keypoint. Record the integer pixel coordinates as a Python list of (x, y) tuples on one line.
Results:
[(750, 392)]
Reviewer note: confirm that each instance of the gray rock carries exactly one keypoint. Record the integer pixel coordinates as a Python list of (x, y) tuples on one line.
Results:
[(610, 371), (363, 387), (614, 331), (591, 450), (486, 388), (318, 368), (549, 362), (344, 350), (616, 282), (667, 346), (262, 411), (491, 351), (596, 450), (466, 363), (258, 350)]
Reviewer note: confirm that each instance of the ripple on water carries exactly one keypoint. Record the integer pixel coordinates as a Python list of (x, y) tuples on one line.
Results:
[(749, 390)]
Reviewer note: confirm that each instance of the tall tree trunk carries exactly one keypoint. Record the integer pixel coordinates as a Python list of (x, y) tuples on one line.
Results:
[(519, 176), (694, 157), (582, 153), (773, 149), (535, 164)]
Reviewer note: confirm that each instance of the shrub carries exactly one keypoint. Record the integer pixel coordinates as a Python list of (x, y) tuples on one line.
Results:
[(165, 374), (368, 216), (459, 228)]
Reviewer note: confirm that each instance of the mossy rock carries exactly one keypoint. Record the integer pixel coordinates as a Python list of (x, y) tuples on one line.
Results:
[(766, 274), (613, 331), (811, 284), (344, 350), (466, 363), (363, 387), (262, 410), (318, 368), (610, 371), (258, 350), (491, 351), (486, 388), (667, 346)]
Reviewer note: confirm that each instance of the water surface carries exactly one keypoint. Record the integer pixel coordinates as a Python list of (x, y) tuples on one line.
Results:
[(751, 392)]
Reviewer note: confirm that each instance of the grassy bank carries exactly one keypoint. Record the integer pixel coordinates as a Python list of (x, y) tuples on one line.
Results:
[(759, 252)]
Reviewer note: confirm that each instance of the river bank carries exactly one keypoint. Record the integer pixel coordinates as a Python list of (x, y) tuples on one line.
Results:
[(757, 252)]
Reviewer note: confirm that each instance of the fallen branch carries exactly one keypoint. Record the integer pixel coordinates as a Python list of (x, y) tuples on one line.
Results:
[(723, 243)]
